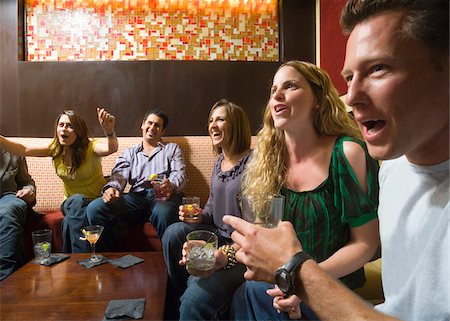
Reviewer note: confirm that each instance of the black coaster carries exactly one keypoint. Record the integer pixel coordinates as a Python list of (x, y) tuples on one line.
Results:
[(54, 258), (125, 309), (126, 261), (88, 264)]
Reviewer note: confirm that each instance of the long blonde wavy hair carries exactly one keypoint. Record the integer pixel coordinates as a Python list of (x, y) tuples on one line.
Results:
[(266, 171)]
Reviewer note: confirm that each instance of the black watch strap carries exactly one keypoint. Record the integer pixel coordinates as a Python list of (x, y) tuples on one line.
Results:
[(296, 261), (285, 276)]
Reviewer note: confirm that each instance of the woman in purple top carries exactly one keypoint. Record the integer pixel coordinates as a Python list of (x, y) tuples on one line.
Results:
[(209, 297)]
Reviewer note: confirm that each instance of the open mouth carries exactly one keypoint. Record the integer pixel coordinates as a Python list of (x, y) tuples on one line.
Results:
[(216, 134), (279, 108), (372, 126)]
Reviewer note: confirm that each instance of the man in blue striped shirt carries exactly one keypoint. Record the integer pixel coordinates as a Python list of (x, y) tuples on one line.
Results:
[(137, 165)]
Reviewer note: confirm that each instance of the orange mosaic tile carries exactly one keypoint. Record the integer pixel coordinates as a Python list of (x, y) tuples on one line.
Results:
[(86, 30)]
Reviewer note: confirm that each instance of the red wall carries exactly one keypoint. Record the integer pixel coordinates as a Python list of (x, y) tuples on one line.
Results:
[(332, 41)]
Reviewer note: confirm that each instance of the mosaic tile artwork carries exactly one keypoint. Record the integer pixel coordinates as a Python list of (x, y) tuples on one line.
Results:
[(87, 30)]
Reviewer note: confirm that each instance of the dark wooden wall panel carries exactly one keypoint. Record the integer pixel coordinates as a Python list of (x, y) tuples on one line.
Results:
[(298, 30), (34, 93), (8, 65)]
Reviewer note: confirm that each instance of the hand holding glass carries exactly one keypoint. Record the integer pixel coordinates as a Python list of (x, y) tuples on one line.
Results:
[(263, 211), (91, 234), (201, 246), (156, 183), (191, 209)]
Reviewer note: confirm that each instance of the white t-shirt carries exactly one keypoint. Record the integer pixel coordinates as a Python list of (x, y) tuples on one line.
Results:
[(414, 228)]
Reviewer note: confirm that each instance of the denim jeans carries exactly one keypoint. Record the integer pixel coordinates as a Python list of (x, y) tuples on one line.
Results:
[(251, 302), (172, 243), (74, 211), (13, 214), (130, 209), (210, 298)]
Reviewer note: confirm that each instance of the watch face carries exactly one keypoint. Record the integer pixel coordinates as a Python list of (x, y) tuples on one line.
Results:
[(282, 278)]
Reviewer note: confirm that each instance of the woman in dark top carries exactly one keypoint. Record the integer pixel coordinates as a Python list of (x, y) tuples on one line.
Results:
[(206, 297), (309, 151)]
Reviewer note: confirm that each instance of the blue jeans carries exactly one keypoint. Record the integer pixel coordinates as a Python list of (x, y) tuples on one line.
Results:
[(131, 209), (13, 215), (74, 211), (210, 298), (251, 302), (172, 243)]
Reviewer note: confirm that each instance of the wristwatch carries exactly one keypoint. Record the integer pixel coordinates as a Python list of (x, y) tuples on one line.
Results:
[(285, 275)]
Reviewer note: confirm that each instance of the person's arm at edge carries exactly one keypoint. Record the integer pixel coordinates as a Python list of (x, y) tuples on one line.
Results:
[(331, 300), (25, 183), (364, 239), (120, 174), (326, 296), (22, 150)]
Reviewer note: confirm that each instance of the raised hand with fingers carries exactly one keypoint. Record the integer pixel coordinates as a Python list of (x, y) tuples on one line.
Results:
[(107, 121)]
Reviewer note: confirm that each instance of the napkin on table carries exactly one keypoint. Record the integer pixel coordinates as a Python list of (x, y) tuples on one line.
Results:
[(125, 309), (54, 258), (88, 264), (126, 261)]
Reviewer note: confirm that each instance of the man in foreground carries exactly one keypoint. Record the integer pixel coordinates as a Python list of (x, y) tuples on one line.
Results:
[(397, 71)]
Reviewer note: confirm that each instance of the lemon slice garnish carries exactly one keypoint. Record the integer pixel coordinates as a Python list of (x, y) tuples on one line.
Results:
[(85, 233), (152, 177)]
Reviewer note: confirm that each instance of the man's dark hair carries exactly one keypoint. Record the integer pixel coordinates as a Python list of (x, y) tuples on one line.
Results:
[(158, 113), (427, 20)]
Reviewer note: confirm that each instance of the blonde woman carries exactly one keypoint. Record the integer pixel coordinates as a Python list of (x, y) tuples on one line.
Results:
[(309, 150), (77, 160)]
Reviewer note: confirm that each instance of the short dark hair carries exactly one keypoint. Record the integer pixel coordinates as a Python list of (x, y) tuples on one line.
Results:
[(158, 113), (427, 20)]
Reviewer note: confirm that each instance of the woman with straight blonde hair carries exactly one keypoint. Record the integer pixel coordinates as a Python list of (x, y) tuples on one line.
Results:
[(309, 150)]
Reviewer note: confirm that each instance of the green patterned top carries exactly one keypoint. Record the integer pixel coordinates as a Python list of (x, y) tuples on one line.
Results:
[(323, 217)]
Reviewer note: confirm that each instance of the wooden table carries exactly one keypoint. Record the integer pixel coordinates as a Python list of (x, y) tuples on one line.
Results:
[(69, 291)]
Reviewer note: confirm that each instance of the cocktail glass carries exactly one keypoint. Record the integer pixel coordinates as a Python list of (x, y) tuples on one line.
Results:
[(91, 234), (191, 209)]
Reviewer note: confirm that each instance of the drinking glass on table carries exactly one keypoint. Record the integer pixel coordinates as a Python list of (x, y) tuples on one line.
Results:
[(191, 209), (262, 210), (201, 246), (42, 244), (91, 234)]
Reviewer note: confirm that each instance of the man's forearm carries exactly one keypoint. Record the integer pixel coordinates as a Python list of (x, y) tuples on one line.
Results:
[(329, 299)]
